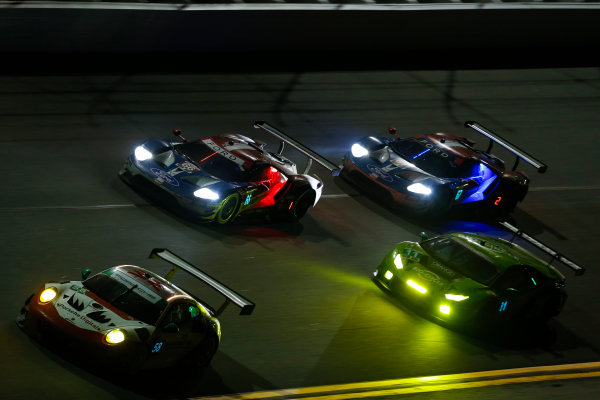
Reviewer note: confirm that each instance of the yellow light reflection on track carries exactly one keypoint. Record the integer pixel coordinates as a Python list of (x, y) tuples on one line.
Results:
[(395, 387)]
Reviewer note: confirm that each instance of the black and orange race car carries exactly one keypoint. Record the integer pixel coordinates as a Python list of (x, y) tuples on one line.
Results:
[(432, 173), (218, 178), (127, 318)]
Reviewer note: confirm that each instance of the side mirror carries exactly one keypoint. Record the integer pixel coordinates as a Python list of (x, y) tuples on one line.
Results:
[(85, 273), (177, 132), (423, 236)]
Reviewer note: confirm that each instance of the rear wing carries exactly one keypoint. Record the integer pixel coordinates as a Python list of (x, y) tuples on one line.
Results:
[(540, 166), (555, 255), (312, 155), (245, 305)]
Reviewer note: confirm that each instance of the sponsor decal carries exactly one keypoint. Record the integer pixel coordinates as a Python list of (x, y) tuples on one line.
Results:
[(130, 281), (434, 149), (76, 317), (379, 173), (187, 166), (412, 254), (221, 151), (162, 176), (79, 289)]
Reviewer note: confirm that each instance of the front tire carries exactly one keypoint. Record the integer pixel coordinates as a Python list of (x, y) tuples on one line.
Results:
[(229, 209)]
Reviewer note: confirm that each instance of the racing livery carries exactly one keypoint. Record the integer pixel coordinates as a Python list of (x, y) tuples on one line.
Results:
[(468, 279), (433, 173), (217, 178), (129, 318)]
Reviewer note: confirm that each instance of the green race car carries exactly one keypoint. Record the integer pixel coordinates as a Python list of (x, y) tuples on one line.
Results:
[(467, 279)]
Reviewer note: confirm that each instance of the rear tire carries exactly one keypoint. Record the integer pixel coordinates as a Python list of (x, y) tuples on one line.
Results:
[(203, 354), (301, 205)]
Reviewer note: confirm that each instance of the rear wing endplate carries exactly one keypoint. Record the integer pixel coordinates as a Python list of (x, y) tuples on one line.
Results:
[(555, 255), (312, 155), (540, 166), (245, 305)]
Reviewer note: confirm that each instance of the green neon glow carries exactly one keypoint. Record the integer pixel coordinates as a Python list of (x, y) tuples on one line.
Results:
[(458, 194), (456, 297), (388, 275), (534, 282), (398, 261), (445, 309), (416, 286)]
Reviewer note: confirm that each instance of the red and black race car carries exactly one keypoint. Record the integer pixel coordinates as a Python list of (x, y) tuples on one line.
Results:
[(218, 178), (127, 318)]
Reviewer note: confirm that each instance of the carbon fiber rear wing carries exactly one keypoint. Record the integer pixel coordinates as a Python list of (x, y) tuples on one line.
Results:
[(540, 166), (312, 155), (245, 305), (547, 249)]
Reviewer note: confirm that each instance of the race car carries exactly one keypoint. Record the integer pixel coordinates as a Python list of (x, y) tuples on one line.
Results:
[(431, 174), (473, 280), (127, 318), (218, 178)]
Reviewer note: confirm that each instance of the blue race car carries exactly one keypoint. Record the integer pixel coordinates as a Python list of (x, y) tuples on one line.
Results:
[(433, 173), (218, 178)]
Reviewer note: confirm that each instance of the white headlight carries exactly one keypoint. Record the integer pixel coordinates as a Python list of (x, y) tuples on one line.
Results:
[(358, 151), (141, 154), (419, 188), (456, 297), (206, 193)]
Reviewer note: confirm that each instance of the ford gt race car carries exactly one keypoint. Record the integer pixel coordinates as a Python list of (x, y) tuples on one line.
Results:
[(433, 173), (217, 178), (127, 318), (475, 280)]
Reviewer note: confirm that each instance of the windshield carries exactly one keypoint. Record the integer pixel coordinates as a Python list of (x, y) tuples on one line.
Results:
[(124, 298), (461, 259), (431, 159), (212, 162)]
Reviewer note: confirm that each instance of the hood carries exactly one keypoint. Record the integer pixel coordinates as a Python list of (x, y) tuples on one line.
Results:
[(76, 306)]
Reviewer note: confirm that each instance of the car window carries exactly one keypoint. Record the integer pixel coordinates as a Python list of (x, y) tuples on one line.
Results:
[(461, 258), (211, 162), (124, 298), (520, 277)]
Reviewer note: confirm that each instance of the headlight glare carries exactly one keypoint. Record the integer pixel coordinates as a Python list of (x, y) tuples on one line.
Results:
[(456, 297), (358, 150), (115, 336), (419, 188), (48, 295), (141, 154), (398, 261), (206, 193)]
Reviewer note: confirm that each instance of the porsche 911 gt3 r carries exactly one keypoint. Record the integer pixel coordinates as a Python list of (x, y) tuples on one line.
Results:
[(128, 318), (433, 173), (469, 279), (220, 177)]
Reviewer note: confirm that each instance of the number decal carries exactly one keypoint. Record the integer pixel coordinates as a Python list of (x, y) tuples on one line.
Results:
[(498, 200), (157, 347)]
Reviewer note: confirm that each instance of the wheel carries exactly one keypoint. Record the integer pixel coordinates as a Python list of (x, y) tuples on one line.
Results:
[(302, 204), (437, 206), (23, 313), (202, 355), (229, 209)]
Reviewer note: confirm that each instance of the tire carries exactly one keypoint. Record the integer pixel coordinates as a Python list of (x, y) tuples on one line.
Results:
[(203, 354), (301, 205), (229, 209)]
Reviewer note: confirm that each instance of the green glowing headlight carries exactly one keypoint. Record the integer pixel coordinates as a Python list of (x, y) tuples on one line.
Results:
[(445, 309), (48, 295), (398, 262), (456, 297), (388, 275), (115, 336), (416, 286)]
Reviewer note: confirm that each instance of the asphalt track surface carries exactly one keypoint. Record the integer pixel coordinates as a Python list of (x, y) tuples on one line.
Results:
[(319, 320)]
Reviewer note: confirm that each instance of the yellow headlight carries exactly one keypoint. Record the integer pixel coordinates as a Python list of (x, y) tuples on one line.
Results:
[(115, 336), (48, 295)]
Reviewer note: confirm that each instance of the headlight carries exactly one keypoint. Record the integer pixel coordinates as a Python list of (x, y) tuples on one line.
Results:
[(358, 150), (398, 261), (419, 188), (206, 193), (115, 336), (456, 297), (48, 295), (141, 154)]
